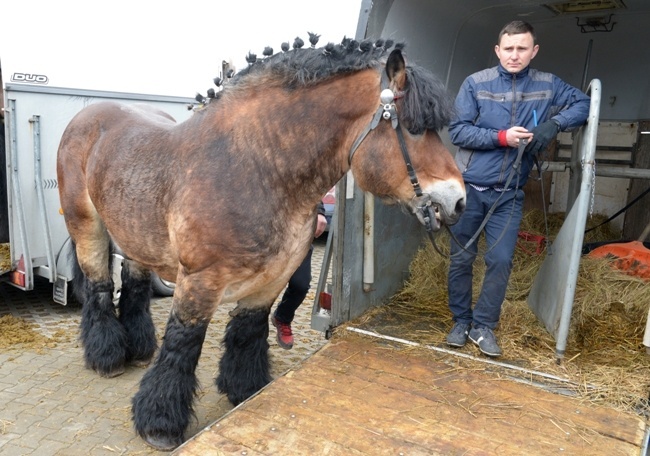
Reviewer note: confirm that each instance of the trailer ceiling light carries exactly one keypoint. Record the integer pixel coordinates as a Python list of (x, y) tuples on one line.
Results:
[(585, 6)]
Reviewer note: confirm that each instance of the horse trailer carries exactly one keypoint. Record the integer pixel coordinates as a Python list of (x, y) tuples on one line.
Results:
[(34, 238), (584, 42)]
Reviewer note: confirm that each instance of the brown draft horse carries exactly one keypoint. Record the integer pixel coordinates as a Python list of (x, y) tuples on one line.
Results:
[(223, 204)]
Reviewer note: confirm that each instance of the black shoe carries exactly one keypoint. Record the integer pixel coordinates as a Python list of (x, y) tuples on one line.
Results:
[(486, 341), (457, 337)]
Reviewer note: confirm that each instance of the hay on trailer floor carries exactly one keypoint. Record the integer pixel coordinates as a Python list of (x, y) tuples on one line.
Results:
[(605, 361)]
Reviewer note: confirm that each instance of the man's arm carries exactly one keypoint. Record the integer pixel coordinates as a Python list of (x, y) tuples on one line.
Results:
[(575, 105)]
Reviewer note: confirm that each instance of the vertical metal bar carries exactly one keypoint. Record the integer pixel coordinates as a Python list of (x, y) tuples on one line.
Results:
[(38, 181), (368, 241), (588, 149), (585, 71), (553, 291), (17, 200), (364, 16)]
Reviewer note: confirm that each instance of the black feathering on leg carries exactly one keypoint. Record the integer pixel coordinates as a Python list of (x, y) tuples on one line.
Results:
[(244, 366), (102, 336), (135, 316), (162, 407)]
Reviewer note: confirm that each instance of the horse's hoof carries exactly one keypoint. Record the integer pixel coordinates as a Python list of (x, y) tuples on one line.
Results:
[(161, 442), (113, 373)]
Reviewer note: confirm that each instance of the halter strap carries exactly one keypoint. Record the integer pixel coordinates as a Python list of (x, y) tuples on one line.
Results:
[(388, 111)]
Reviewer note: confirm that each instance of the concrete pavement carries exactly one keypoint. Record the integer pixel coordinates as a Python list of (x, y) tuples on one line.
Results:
[(51, 405)]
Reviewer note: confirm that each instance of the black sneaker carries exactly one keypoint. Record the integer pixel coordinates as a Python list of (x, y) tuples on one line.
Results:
[(486, 341), (457, 337)]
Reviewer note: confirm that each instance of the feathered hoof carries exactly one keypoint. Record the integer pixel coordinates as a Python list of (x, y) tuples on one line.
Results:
[(161, 442)]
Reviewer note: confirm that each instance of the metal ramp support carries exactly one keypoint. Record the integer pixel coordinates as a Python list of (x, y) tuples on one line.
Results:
[(553, 291), (38, 182)]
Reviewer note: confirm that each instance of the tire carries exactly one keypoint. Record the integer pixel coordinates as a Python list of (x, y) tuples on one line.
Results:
[(161, 287)]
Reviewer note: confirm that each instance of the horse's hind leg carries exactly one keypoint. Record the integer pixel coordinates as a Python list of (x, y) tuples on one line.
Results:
[(102, 336), (135, 314), (244, 366)]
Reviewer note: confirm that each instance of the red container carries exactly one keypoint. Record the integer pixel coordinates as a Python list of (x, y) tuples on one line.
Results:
[(325, 300)]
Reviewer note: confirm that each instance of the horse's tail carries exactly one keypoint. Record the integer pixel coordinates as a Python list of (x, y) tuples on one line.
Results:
[(80, 285)]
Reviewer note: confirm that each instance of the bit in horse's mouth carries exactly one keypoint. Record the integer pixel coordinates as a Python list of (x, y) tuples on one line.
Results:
[(428, 213)]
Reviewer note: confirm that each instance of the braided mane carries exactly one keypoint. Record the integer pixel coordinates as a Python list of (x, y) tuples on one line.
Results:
[(305, 66), (427, 105)]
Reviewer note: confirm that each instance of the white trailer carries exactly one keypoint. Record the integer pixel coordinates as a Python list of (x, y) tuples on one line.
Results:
[(32, 228)]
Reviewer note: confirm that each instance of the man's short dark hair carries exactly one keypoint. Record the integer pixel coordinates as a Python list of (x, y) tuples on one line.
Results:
[(516, 28)]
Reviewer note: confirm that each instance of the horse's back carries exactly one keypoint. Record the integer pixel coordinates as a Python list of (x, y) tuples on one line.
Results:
[(110, 157)]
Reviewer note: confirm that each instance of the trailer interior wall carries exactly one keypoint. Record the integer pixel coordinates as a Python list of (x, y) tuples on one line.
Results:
[(456, 38)]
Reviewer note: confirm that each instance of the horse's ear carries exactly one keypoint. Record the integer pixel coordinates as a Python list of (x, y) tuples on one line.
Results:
[(396, 69)]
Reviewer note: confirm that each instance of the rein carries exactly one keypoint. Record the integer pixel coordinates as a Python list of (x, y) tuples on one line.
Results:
[(516, 168), (388, 111)]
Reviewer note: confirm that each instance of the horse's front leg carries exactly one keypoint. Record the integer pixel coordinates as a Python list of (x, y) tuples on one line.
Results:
[(163, 406), (244, 366)]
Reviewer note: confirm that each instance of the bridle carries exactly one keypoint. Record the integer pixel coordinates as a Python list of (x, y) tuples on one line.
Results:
[(387, 111), (424, 211)]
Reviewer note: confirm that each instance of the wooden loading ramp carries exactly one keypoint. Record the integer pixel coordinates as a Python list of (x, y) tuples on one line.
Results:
[(363, 396)]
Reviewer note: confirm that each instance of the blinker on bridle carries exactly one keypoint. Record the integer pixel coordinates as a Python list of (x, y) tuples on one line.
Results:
[(388, 111)]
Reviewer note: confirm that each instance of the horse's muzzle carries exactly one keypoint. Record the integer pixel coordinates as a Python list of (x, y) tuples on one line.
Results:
[(433, 214)]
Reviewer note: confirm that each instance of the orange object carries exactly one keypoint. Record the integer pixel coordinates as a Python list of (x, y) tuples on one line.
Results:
[(631, 257)]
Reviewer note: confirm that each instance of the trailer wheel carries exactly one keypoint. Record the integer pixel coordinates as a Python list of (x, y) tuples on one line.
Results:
[(161, 287)]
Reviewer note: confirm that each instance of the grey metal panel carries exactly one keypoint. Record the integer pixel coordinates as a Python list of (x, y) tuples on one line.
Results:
[(33, 196), (96, 93), (551, 296)]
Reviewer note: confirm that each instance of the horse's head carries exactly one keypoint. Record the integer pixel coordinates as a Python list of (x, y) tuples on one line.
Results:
[(399, 156)]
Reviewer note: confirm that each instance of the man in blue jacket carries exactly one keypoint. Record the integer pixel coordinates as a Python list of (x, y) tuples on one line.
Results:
[(498, 110)]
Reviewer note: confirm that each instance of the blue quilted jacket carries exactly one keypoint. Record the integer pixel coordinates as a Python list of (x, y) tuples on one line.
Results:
[(493, 100)]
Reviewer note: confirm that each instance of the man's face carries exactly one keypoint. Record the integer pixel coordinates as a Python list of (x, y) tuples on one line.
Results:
[(516, 51)]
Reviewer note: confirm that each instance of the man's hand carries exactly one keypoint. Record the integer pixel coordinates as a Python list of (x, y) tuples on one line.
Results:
[(321, 224), (515, 134), (543, 134)]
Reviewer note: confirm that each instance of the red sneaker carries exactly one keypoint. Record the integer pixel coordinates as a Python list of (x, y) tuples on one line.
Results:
[(285, 336)]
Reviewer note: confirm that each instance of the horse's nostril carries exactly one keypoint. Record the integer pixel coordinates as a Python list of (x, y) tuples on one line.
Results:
[(460, 206)]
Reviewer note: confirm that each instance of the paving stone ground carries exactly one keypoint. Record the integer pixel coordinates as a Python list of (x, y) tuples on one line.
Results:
[(50, 404)]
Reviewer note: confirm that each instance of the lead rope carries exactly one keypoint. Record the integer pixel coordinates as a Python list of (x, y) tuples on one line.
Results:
[(516, 168), (547, 240)]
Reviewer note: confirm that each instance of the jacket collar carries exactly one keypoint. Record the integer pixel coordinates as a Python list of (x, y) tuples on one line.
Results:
[(507, 75)]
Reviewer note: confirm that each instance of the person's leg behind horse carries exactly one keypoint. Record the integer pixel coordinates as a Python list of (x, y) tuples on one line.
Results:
[(501, 234), (294, 295), (135, 313), (461, 264)]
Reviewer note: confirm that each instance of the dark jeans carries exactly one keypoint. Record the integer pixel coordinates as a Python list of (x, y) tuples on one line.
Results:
[(502, 229), (296, 291)]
